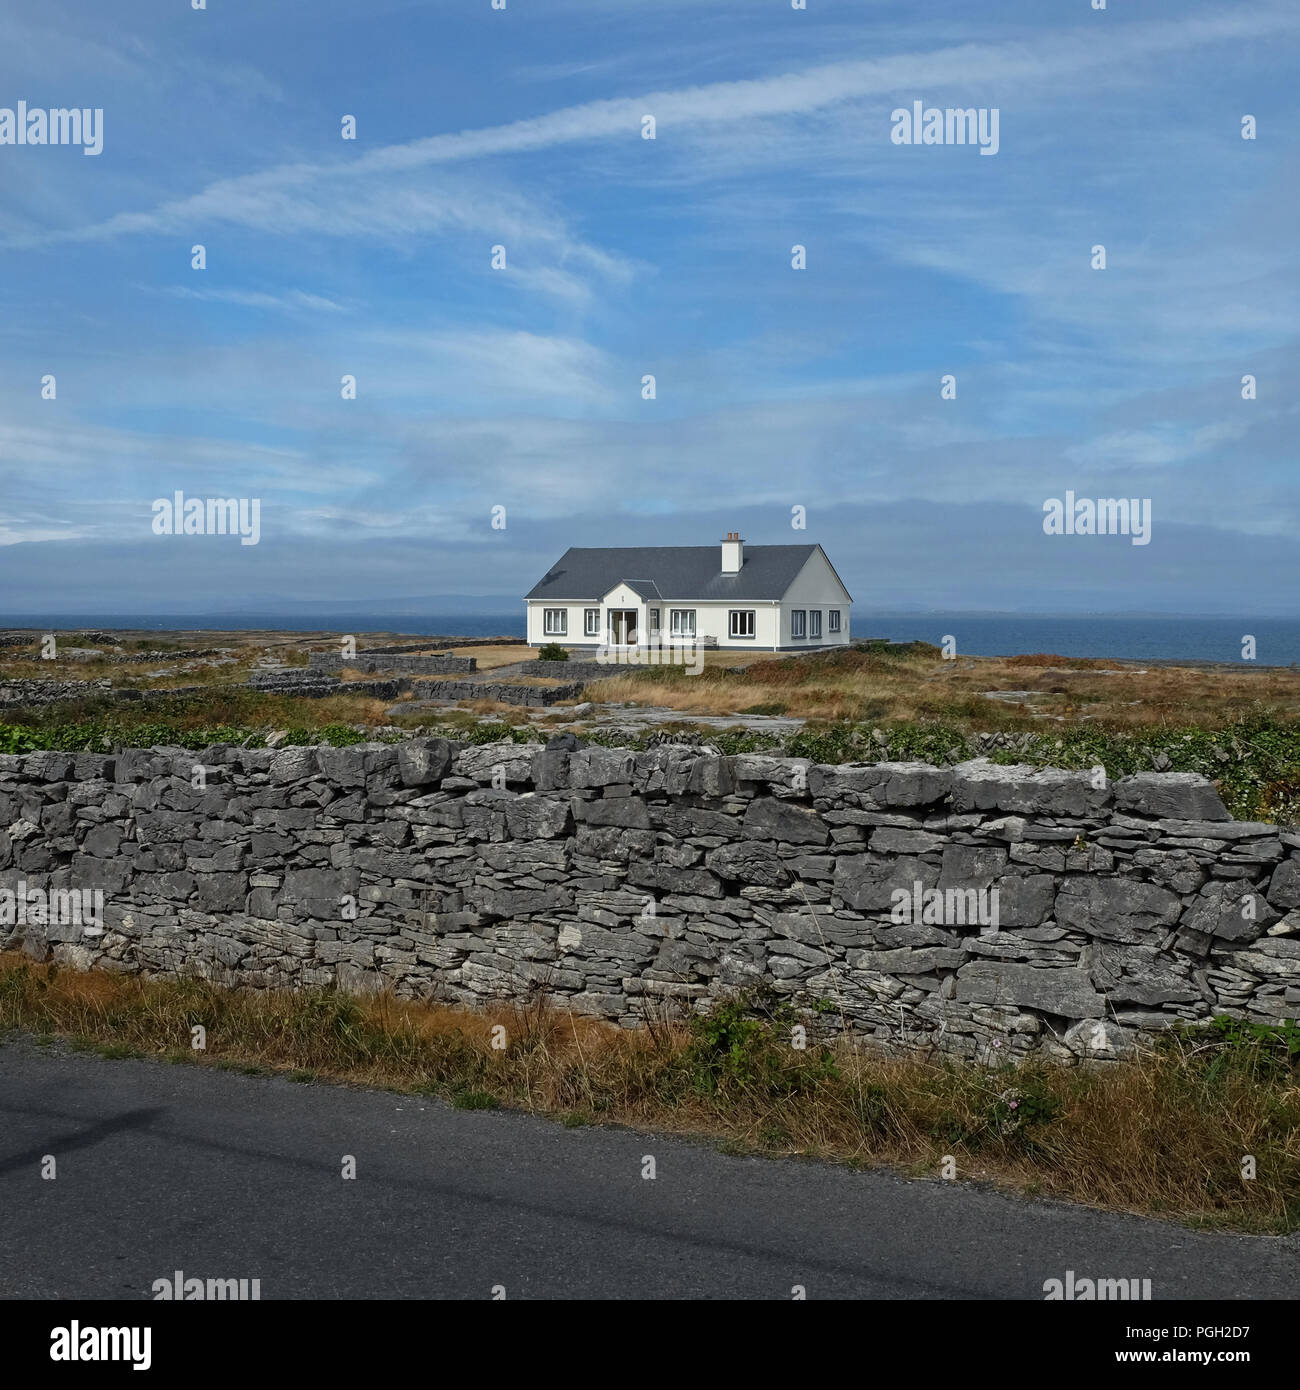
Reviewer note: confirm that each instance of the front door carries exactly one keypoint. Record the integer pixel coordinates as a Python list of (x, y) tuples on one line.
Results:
[(622, 627)]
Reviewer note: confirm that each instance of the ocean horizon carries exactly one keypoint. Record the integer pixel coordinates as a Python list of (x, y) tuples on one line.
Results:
[(1277, 640)]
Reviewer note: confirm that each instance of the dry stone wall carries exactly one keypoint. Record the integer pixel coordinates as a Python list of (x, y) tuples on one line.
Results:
[(503, 693), (380, 663), (575, 670), (34, 691), (623, 882)]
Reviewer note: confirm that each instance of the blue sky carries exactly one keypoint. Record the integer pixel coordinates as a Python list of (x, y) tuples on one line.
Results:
[(776, 388)]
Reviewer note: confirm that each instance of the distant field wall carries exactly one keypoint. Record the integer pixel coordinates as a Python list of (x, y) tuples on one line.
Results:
[(397, 665), (984, 910)]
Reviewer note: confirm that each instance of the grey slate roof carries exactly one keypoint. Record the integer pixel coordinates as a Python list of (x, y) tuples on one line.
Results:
[(672, 573)]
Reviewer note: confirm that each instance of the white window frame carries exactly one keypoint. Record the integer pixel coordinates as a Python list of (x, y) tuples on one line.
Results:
[(752, 615), (677, 625), (591, 622), (798, 623), (549, 615), (654, 621), (815, 623), (834, 624)]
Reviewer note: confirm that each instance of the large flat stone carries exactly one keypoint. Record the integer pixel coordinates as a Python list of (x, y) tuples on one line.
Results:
[(1067, 993)]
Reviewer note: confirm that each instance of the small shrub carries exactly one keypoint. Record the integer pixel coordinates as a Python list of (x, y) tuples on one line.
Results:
[(1022, 1106), (1225, 1046), (552, 651), (474, 1100), (768, 707)]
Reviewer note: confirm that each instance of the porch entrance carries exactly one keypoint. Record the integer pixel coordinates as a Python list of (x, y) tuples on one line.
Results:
[(622, 627)]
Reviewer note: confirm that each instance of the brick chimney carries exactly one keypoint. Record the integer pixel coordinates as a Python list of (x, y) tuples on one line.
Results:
[(733, 553)]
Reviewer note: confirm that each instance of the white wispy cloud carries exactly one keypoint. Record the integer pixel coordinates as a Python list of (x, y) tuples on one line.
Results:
[(287, 300), (281, 197)]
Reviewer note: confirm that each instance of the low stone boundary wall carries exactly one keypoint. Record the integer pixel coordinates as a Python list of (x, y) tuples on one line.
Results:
[(143, 658), (295, 680), (315, 685), (291, 678), (623, 882), (14, 694), (575, 670), (425, 643), (398, 665), (113, 655), (49, 692), (487, 690), (18, 693)]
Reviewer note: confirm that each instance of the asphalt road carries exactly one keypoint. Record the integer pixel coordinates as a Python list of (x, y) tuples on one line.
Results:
[(163, 1168)]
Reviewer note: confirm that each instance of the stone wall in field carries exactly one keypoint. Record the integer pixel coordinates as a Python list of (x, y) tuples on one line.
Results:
[(985, 910), (34, 691), (575, 670), (503, 693), (400, 664)]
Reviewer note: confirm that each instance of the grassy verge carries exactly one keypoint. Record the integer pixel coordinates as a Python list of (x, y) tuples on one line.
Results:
[(1167, 1134), (1254, 761), (243, 717)]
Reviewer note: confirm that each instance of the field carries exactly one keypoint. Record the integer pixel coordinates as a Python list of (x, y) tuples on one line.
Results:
[(1238, 724), (916, 683)]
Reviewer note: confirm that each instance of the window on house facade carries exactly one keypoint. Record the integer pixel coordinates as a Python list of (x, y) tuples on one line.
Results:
[(742, 622), (681, 622), (591, 622), (834, 625), (798, 622), (555, 622), (654, 620), (815, 622)]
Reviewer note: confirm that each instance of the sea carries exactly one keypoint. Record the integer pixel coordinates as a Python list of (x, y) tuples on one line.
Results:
[(1162, 638)]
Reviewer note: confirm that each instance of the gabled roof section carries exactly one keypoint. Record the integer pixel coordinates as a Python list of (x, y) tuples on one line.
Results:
[(673, 573), (835, 572), (643, 588)]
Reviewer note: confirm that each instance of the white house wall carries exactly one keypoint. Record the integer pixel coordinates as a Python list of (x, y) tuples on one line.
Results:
[(537, 635), (816, 587), (714, 620), (771, 624)]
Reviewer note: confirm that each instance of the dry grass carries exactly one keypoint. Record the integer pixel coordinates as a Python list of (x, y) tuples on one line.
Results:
[(864, 685), (236, 708), (489, 658), (494, 710), (1161, 1135), (142, 675), (845, 684)]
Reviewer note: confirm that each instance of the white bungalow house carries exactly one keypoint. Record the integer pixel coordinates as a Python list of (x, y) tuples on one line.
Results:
[(764, 598)]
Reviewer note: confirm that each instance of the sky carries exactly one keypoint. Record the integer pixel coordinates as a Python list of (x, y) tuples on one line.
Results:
[(516, 394)]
